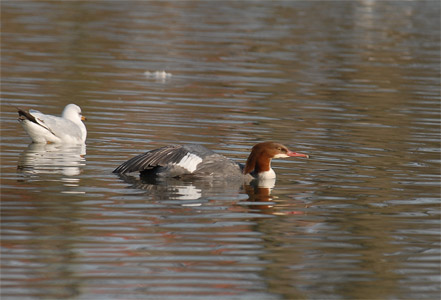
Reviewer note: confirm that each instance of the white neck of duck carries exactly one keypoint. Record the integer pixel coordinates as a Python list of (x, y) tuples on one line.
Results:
[(265, 175)]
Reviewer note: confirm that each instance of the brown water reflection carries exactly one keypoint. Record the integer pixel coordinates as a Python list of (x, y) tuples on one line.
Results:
[(353, 84)]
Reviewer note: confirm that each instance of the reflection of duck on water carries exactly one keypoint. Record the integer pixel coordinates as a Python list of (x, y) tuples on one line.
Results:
[(260, 197), (52, 159), (201, 190), (161, 188)]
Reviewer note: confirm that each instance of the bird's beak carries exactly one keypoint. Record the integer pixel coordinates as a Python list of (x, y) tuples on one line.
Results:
[(83, 118), (296, 154)]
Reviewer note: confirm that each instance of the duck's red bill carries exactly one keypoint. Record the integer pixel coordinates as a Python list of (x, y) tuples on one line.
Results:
[(296, 154)]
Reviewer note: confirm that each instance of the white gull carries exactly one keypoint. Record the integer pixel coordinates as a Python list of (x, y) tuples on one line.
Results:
[(42, 128)]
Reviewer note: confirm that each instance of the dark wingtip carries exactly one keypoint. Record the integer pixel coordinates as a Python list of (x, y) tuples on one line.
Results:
[(24, 115), (21, 112), (118, 170)]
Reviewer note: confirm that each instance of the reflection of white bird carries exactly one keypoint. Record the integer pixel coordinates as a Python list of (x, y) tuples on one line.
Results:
[(52, 159), (68, 128)]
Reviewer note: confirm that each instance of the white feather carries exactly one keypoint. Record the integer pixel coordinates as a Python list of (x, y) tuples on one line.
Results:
[(190, 162), (266, 175)]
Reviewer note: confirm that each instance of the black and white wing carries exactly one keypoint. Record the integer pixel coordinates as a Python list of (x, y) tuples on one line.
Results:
[(172, 155)]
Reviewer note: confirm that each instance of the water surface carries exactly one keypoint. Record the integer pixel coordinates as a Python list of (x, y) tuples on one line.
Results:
[(353, 84)]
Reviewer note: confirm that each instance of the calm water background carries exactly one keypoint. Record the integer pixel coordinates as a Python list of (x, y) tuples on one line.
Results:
[(354, 84)]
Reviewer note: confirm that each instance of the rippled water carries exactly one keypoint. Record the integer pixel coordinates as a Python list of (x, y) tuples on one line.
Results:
[(353, 84)]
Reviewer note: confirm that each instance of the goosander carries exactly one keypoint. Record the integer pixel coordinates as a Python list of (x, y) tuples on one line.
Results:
[(42, 128), (181, 161)]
